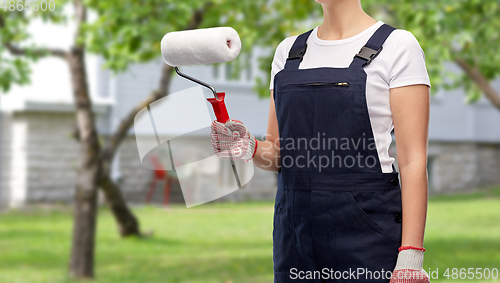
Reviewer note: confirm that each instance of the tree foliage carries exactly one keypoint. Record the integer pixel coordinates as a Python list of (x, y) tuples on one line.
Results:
[(127, 32), (14, 33), (449, 31)]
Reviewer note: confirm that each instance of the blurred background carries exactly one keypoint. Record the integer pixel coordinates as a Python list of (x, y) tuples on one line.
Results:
[(77, 200)]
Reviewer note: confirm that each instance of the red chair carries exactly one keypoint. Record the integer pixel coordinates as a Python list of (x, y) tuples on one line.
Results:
[(159, 174)]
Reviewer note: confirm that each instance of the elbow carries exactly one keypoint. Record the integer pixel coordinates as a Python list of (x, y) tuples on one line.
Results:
[(416, 161)]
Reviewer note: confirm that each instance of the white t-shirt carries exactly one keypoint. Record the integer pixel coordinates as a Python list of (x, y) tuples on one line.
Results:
[(401, 62)]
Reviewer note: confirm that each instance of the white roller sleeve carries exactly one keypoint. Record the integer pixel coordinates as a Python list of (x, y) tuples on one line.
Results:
[(200, 46)]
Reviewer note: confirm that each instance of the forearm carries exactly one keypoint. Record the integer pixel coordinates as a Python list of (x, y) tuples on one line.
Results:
[(267, 156), (414, 195)]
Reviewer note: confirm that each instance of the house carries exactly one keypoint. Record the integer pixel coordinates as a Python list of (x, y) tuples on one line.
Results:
[(464, 142), (39, 157)]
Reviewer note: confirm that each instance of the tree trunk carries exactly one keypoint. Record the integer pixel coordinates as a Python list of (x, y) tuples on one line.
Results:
[(85, 206), (127, 222), (128, 225), (481, 82), (94, 167)]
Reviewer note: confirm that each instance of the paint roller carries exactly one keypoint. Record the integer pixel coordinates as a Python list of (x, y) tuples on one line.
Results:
[(202, 46)]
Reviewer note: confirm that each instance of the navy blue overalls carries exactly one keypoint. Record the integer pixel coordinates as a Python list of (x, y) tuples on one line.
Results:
[(336, 211)]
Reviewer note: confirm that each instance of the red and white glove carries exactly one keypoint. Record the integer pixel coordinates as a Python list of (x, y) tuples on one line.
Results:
[(233, 140), (409, 266)]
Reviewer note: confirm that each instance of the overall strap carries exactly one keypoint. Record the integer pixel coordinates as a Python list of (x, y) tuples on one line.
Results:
[(373, 47), (297, 51)]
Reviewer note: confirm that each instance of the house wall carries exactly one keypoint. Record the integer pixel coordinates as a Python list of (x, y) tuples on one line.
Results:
[(453, 120), (40, 161), (39, 157), (135, 179), (463, 166), (5, 141)]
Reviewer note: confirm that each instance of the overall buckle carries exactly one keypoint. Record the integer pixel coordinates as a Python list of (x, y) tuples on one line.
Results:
[(297, 53), (368, 54)]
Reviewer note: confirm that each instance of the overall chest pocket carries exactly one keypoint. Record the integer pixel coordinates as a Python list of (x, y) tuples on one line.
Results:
[(340, 84)]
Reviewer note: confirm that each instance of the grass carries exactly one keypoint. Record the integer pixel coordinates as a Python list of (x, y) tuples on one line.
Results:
[(223, 242), (463, 231)]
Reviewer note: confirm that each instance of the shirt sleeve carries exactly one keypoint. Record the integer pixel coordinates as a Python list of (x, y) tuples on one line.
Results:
[(278, 61), (409, 62)]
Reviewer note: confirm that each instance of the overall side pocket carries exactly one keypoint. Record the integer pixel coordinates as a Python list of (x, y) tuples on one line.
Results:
[(380, 210), (279, 202)]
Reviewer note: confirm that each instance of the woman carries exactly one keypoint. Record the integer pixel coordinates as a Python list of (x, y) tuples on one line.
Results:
[(341, 213)]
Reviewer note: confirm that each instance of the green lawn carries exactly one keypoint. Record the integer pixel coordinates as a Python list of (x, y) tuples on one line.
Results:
[(225, 243)]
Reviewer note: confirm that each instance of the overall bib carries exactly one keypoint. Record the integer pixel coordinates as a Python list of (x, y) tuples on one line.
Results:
[(337, 216)]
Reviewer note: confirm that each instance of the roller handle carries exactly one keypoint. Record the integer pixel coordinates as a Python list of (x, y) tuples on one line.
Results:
[(219, 107), (222, 117)]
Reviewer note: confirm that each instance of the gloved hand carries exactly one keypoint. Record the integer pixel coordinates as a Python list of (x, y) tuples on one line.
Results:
[(233, 140), (409, 266)]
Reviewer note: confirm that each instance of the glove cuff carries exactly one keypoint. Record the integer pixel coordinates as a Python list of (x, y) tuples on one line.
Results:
[(402, 248), (410, 259), (252, 148)]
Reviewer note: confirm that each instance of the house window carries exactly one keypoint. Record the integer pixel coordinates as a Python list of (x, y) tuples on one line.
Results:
[(229, 71), (248, 67), (244, 65), (215, 71)]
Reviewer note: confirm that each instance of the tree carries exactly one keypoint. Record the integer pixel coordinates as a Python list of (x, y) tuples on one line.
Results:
[(94, 165), (461, 31), (127, 32)]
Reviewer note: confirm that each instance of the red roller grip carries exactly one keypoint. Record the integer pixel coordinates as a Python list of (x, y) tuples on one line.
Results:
[(219, 107)]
